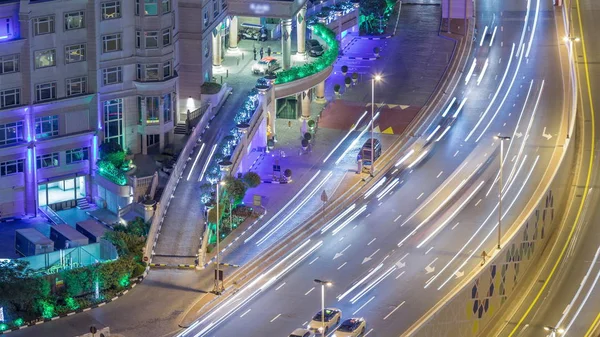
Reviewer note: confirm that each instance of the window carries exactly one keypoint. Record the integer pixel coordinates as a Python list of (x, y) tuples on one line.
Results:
[(12, 167), (215, 7), (151, 39), (9, 64), (151, 73), (206, 20), (166, 37), (47, 160), (150, 7), (166, 6), (10, 97), (111, 43), (76, 86), (6, 27), (140, 72), (46, 127), (167, 108), (77, 155), (138, 39), (152, 109), (45, 91), (43, 25), (74, 20), (206, 49), (45, 58), (167, 69), (111, 10), (75, 53), (11, 133), (137, 7), (113, 118), (112, 75)]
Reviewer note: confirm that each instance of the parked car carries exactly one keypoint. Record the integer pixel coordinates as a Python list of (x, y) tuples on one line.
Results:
[(302, 333), (332, 318), (352, 327), (265, 65), (314, 48)]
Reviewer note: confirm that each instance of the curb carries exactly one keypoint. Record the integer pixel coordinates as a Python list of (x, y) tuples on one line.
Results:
[(154, 265), (359, 58), (71, 313), (276, 182), (186, 266)]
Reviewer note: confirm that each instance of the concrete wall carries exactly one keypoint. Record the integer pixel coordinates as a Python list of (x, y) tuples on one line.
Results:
[(457, 9)]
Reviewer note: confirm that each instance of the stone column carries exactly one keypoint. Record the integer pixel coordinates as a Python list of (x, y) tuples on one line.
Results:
[(233, 33), (305, 104), (161, 121), (31, 187), (286, 42), (320, 91), (216, 47), (144, 126), (301, 30)]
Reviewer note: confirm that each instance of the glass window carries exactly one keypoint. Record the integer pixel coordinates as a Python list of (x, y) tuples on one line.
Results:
[(138, 39), (151, 39), (12, 167), (45, 91), (75, 53), (166, 37), (9, 64), (46, 127), (112, 75), (45, 58), (76, 86), (166, 6), (111, 43), (206, 20), (10, 97), (111, 10), (77, 155), (74, 20), (11, 133), (167, 69), (150, 7), (47, 160), (139, 74), (206, 49), (137, 7), (113, 118), (167, 108), (151, 73), (152, 109), (216, 7), (43, 25)]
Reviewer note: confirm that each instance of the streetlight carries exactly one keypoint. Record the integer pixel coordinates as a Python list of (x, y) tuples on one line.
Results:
[(375, 78), (218, 288), (323, 284), (553, 330), (502, 139)]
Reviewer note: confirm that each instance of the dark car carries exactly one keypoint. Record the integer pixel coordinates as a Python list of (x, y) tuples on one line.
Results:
[(314, 48)]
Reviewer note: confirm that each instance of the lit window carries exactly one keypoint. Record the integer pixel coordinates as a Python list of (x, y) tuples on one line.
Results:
[(76, 86), (74, 20), (150, 7), (113, 119), (75, 53), (167, 69), (47, 160), (111, 10), (166, 6), (166, 37), (151, 39), (46, 127), (111, 43), (167, 108), (152, 109), (6, 30), (77, 155), (11, 133), (206, 19), (45, 91), (112, 75), (9, 64), (45, 58), (151, 73), (43, 25), (12, 167), (10, 97)]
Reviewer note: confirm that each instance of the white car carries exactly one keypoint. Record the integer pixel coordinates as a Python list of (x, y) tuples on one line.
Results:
[(302, 333), (352, 327), (332, 318)]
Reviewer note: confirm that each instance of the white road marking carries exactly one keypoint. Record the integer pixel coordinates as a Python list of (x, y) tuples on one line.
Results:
[(456, 153), (439, 174), (368, 332), (478, 201), (343, 264), (315, 259), (245, 312), (362, 306), (280, 286), (455, 225), (308, 292), (398, 217), (370, 242), (396, 308), (274, 318), (420, 195), (428, 250)]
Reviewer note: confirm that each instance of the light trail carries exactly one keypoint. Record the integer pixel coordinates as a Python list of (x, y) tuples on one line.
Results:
[(421, 156), (367, 277), (375, 187), (535, 20), (349, 220), (346, 136), (485, 66), (338, 218), (195, 161), (471, 70), (403, 159), (212, 152), (373, 284), (460, 107), (449, 107)]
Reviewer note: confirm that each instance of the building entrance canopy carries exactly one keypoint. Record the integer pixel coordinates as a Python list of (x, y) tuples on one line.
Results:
[(281, 9)]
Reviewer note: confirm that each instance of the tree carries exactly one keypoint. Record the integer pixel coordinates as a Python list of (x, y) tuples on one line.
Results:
[(235, 188), (287, 173), (252, 179), (112, 152), (372, 12), (20, 288)]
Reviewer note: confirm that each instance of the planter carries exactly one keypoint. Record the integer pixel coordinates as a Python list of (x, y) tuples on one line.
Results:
[(376, 51), (354, 78), (348, 82), (344, 70)]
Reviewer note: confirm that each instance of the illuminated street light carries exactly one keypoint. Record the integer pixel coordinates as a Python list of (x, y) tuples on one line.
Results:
[(376, 78), (323, 284), (502, 139)]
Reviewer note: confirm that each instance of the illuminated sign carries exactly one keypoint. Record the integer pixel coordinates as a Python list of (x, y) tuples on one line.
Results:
[(260, 9)]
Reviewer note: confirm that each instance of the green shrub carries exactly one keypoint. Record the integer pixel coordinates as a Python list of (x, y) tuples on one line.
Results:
[(252, 179)]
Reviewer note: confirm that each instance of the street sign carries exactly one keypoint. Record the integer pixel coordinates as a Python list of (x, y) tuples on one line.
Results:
[(145, 259), (257, 200), (220, 278), (277, 168), (93, 329)]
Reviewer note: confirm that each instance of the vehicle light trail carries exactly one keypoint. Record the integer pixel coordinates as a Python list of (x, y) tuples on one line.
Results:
[(493, 36), (388, 189), (353, 144), (483, 36), (449, 107), (195, 161), (485, 66), (443, 133), (367, 277), (421, 156), (373, 284), (346, 136), (471, 70), (212, 152), (338, 218), (350, 219), (374, 188), (437, 128), (535, 20), (403, 159), (460, 107)]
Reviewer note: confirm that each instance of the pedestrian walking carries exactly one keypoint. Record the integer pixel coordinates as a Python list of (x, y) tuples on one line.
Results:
[(262, 52), (289, 124), (254, 50), (483, 256), (269, 51)]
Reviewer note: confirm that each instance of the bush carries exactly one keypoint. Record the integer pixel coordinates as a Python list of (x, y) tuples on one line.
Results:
[(337, 88), (138, 270), (252, 179), (347, 80), (344, 69), (354, 76), (235, 188), (287, 173), (311, 123), (307, 136), (210, 88)]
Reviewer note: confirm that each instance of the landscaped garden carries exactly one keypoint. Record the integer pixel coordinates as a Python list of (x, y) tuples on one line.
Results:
[(113, 164)]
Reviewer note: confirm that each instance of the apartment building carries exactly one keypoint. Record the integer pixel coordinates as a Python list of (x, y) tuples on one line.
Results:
[(76, 73)]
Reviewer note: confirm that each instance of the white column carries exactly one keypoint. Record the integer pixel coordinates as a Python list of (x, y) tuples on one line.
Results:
[(233, 33), (286, 42), (301, 30), (161, 120), (320, 92), (305, 103), (216, 47), (144, 126)]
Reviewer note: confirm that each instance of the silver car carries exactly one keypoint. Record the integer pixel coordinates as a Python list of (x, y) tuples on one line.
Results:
[(265, 65), (352, 327), (332, 318), (302, 333)]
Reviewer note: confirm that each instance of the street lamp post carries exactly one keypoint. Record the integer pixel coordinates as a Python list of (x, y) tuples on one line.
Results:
[(502, 139), (323, 284), (218, 288), (375, 78)]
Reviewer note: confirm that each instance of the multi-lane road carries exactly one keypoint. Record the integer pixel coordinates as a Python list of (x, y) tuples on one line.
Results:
[(404, 244)]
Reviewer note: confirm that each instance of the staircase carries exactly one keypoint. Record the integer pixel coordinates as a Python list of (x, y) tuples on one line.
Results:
[(83, 204), (181, 129)]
